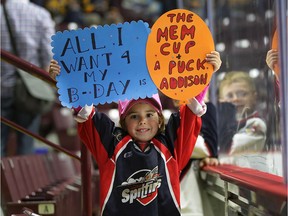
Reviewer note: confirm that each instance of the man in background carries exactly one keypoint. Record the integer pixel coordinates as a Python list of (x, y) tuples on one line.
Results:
[(32, 27)]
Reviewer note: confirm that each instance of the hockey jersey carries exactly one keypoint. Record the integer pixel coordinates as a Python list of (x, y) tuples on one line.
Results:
[(139, 183)]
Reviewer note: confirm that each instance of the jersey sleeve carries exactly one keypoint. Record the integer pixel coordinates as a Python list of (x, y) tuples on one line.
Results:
[(183, 130), (209, 130), (96, 132)]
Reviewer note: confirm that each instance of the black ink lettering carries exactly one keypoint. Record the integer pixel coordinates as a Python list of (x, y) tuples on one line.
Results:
[(93, 40), (86, 75), (72, 67), (126, 55), (95, 61), (107, 58), (111, 88), (79, 45), (68, 45), (82, 63), (142, 82), (120, 36), (125, 86), (72, 94), (104, 73), (98, 90)]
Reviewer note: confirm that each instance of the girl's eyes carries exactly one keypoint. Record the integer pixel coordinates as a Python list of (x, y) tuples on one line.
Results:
[(150, 115), (133, 116), (136, 116)]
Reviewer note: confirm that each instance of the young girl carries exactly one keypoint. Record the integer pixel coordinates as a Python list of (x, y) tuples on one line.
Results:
[(141, 162)]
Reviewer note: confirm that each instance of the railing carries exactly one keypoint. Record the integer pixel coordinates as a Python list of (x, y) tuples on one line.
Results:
[(85, 154), (245, 191)]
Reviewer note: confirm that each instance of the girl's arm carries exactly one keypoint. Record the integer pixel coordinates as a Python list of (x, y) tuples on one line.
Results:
[(197, 105)]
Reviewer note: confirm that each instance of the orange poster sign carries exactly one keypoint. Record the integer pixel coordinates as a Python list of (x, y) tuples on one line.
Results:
[(276, 68), (175, 54)]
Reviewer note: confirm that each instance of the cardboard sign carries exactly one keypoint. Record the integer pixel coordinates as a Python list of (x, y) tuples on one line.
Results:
[(175, 54), (102, 65), (276, 68)]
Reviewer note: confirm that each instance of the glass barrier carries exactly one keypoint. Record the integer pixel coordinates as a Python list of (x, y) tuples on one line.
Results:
[(246, 90)]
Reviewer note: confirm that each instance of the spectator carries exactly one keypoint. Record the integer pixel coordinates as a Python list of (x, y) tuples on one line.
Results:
[(32, 28), (241, 129)]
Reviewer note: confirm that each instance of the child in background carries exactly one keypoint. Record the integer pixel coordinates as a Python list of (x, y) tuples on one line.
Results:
[(241, 128), (141, 162)]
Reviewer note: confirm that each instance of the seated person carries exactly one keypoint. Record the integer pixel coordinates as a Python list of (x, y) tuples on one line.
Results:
[(240, 127)]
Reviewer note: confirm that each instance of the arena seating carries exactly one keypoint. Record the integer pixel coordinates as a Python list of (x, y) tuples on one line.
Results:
[(47, 184)]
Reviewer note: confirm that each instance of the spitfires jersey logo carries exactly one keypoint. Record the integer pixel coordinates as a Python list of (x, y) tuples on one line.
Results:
[(141, 186)]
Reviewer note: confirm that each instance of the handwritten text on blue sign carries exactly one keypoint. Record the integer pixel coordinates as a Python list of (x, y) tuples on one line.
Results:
[(102, 65)]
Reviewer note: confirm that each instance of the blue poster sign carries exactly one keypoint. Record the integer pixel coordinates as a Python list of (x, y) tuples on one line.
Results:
[(102, 64)]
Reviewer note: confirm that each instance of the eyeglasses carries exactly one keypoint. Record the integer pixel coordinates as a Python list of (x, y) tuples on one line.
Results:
[(238, 94)]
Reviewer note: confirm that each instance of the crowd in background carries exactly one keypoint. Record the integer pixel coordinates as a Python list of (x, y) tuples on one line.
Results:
[(87, 13)]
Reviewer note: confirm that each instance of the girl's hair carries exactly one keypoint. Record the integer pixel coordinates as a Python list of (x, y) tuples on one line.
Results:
[(236, 76)]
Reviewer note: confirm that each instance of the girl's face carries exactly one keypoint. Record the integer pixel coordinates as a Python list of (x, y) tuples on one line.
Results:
[(142, 122), (241, 95)]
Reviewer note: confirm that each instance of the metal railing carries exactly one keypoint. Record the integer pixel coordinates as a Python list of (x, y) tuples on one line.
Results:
[(85, 158)]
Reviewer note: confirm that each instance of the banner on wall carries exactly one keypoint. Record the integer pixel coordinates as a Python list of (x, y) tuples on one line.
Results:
[(102, 65)]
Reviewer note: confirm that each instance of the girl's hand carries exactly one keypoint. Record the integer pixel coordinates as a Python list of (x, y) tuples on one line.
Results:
[(214, 59), (272, 58), (54, 69), (209, 161)]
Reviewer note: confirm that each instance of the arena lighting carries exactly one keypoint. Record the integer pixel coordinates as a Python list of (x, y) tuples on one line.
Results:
[(221, 76), (266, 40), (226, 21), (220, 47), (72, 26), (269, 14), (251, 17), (254, 73), (244, 43)]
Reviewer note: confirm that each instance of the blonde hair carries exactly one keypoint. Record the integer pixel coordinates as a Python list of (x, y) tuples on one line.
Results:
[(236, 76)]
